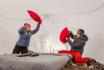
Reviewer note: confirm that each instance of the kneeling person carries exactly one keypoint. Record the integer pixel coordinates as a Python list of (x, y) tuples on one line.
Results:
[(25, 34)]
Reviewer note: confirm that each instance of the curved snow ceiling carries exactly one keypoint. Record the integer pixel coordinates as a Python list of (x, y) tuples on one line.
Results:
[(17, 8)]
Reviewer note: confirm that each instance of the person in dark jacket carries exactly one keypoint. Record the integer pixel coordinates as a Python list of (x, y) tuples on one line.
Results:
[(77, 46), (25, 34), (79, 41)]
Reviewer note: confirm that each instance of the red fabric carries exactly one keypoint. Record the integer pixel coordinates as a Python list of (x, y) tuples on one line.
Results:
[(64, 33), (35, 16), (76, 55)]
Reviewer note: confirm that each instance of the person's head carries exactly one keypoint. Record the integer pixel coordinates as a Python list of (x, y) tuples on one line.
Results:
[(27, 26), (80, 32)]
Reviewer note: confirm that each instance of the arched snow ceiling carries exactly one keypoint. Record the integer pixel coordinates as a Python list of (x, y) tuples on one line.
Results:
[(17, 8)]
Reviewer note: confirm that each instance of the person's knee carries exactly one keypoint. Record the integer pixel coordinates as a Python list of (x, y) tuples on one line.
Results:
[(78, 57)]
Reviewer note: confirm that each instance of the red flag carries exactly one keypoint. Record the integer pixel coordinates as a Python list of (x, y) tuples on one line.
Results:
[(35, 16)]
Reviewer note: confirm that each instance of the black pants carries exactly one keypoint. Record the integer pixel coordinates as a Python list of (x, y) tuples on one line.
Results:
[(20, 49)]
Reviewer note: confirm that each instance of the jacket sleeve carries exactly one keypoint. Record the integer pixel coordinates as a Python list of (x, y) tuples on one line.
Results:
[(72, 35), (73, 44), (36, 30), (21, 30), (85, 38)]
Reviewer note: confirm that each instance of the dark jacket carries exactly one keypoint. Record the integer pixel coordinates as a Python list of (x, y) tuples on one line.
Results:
[(78, 43), (24, 37)]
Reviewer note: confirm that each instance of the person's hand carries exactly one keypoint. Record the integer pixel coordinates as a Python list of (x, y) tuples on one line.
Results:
[(70, 32), (66, 38), (39, 22)]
